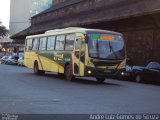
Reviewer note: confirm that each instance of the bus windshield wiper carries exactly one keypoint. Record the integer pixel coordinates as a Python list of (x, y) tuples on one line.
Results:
[(112, 50)]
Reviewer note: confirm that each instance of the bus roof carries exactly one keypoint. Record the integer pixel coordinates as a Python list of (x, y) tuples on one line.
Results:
[(71, 30)]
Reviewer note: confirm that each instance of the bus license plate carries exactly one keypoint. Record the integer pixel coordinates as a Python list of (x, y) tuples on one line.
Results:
[(107, 71)]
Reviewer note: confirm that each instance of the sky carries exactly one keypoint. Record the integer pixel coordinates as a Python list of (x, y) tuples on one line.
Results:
[(5, 12)]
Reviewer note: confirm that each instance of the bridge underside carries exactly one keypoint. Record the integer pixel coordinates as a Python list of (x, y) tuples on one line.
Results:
[(138, 20)]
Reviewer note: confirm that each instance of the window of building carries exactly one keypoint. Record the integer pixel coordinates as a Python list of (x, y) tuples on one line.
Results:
[(38, 6), (70, 42), (51, 43), (35, 44), (29, 44), (60, 41), (43, 42)]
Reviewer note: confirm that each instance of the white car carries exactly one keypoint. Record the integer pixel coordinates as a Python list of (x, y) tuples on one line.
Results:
[(4, 59), (21, 61), (12, 60)]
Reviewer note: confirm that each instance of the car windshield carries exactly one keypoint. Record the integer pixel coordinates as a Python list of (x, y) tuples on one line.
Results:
[(4, 57), (106, 46), (11, 57), (21, 58), (128, 68), (153, 65)]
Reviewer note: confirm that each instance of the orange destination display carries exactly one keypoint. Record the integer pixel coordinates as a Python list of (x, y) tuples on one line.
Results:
[(102, 37), (107, 37)]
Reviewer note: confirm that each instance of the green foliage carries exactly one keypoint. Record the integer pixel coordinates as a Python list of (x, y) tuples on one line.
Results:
[(3, 31)]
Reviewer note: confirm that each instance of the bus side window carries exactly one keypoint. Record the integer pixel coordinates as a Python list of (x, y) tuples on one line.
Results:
[(42, 43), (35, 44), (29, 45), (60, 42), (51, 43), (70, 42)]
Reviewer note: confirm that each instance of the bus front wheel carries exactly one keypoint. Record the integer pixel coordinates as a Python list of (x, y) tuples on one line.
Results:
[(37, 71), (68, 73), (100, 79)]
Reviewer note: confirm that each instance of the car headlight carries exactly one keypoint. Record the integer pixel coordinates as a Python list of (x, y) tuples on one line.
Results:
[(122, 73)]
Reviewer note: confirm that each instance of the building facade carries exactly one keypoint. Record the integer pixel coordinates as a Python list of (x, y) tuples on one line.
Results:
[(138, 20), (22, 10)]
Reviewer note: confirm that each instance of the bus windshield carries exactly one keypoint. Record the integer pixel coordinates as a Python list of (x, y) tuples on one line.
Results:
[(106, 46)]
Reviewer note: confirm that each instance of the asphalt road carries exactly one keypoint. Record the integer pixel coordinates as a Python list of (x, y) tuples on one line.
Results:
[(23, 92)]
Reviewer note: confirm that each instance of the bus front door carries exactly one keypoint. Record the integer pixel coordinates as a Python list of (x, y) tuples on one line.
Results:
[(79, 59)]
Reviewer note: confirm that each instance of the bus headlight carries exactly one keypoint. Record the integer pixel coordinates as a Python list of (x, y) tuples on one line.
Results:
[(89, 72)]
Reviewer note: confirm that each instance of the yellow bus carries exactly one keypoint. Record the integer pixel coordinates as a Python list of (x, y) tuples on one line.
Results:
[(76, 52)]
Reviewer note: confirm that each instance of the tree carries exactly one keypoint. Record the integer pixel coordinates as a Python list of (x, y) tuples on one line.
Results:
[(3, 31)]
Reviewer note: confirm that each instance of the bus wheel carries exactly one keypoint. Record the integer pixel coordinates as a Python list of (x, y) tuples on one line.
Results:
[(37, 71), (100, 79), (68, 73)]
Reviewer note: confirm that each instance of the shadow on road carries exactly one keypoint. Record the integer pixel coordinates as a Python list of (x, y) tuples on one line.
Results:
[(155, 83), (93, 82), (85, 81)]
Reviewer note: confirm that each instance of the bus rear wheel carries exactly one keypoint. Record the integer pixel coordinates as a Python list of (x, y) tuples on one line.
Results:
[(37, 71), (100, 79), (68, 73)]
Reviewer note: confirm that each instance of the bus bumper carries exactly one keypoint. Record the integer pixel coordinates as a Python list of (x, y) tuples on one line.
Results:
[(92, 72)]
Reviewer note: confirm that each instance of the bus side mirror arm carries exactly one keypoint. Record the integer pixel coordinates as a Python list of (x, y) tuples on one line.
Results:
[(86, 39)]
